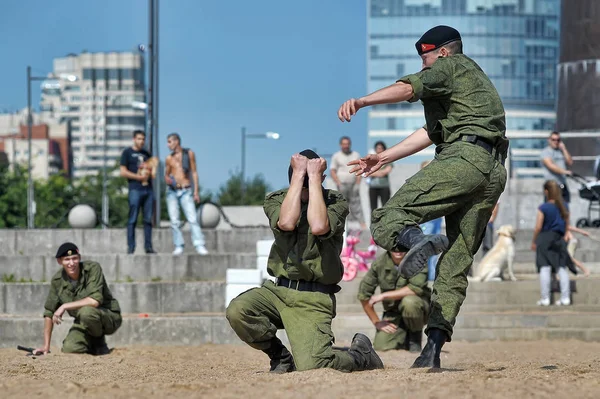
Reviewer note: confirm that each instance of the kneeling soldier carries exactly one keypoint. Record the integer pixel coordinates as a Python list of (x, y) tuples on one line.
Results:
[(405, 303), (81, 290), (308, 223)]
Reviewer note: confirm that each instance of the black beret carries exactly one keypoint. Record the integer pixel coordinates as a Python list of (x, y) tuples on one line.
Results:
[(67, 249), (435, 38), (310, 154)]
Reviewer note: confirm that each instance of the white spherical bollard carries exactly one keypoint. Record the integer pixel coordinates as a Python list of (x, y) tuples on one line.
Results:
[(208, 215), (82, 217)]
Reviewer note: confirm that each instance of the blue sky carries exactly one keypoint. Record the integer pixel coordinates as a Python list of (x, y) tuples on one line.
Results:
[(269, 65)]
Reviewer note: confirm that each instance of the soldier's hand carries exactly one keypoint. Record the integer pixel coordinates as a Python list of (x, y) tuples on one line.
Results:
[(349, 109), (57, 317), (41, 351), (299, 163), (386, 327), (366, 165), (375, 298), (316, 167)]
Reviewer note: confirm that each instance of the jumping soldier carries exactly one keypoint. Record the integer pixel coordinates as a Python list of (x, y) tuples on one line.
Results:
[(465, 120)]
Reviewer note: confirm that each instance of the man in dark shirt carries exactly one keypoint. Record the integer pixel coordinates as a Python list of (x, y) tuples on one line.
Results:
[(140, 191)]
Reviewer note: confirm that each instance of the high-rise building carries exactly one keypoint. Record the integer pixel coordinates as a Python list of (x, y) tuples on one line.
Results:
[(99, 104), (578, 116), (514, 41), (50, 149)]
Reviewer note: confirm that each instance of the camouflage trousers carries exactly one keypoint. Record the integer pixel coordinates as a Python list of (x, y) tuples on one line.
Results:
[(257, 314), (351, 191), (90, 323), (410, 316), (463, 183)]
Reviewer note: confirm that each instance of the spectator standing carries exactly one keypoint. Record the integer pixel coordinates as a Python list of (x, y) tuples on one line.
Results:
[(555, 160), (140, 190), (181, 175), (379, 182), (550, 246), (347, 183)]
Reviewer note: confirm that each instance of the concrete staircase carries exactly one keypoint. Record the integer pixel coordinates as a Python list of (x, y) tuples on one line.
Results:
[(168, 300)]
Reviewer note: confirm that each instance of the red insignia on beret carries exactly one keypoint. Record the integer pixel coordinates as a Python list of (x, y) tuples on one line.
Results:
[(427, 47)]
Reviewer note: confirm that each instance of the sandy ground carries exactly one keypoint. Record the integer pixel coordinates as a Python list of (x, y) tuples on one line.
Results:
[(482, 370)]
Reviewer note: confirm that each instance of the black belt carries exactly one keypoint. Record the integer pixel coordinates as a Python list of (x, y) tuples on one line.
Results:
[(485, 145), (180, 187), (312, 286)]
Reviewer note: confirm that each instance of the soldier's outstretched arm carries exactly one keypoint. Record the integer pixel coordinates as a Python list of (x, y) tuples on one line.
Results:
[(371, 163), (393, 93)]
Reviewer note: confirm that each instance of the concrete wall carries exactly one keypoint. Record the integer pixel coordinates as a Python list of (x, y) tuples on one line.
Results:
[(165, 267), (114, 241)]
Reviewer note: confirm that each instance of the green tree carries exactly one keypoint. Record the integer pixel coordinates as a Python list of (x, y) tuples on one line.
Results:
[(231, 192), (13, 194)]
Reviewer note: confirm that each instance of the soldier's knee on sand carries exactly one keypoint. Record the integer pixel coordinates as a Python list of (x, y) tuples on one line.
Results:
[(74, 347)]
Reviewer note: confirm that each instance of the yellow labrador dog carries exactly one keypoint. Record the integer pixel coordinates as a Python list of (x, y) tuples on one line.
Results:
[(499, 258)]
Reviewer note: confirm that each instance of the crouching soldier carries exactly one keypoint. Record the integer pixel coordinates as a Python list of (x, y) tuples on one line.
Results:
[(80, 290), (405, 303), (308, 223)]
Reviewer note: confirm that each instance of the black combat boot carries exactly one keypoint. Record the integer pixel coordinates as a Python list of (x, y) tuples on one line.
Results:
[(99, 347), (281, 359), (420, 248), (430, 356), (414, 340), (365, 357)]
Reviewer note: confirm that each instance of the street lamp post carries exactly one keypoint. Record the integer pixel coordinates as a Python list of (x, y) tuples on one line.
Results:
[(267, 135), (30, 191)]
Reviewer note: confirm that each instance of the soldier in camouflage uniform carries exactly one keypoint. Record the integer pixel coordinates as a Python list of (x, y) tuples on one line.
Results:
[(80, 289), (465, 120), (405, 303), (308, 223)]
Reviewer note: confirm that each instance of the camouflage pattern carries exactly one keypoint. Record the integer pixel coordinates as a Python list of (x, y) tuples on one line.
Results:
[(298, 254), (89, 321), (409, 313), (459, 99), (463, 182), (257, 314)]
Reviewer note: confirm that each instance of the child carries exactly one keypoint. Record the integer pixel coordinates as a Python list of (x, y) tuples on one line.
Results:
[(550, 246)]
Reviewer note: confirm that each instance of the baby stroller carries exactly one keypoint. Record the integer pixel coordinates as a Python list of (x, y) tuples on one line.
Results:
[(588, 190)]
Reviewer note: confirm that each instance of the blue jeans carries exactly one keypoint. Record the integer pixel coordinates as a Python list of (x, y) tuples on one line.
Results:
[(432, 227), (140, 198), (184, 199)]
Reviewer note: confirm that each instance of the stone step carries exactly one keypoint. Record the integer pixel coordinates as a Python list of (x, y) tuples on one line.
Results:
[(114, 241), (469, 307), (213, 328), (157, 298), (523, 292), (123, 267), (209, 296)]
